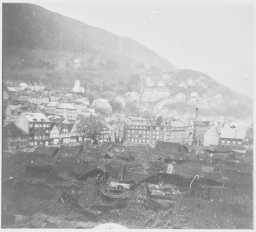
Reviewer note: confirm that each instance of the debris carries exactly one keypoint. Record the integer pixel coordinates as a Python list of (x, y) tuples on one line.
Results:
[(98, 191)]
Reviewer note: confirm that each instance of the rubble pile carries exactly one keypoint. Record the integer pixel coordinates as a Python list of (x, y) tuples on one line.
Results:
[(65, 189)]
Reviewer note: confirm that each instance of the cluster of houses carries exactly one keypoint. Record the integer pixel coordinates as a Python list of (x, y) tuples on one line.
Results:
[(37, 129), (54, 121), (12, 87), (194, 132), (149, 131)]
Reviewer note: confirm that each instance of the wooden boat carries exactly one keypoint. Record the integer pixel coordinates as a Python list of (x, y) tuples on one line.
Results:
[(109, 193)]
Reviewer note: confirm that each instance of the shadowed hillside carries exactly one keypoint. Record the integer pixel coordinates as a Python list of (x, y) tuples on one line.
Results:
[(40, 45)]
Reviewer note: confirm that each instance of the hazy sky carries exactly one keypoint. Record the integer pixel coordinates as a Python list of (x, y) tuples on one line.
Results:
[(215, 37)]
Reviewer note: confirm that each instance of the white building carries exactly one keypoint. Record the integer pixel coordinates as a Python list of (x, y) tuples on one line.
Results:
[(77, 88), (212, 136), (37, 126), (32, 120)]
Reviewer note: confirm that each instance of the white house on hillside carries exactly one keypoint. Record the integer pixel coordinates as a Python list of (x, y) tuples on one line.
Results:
[(77, 88)]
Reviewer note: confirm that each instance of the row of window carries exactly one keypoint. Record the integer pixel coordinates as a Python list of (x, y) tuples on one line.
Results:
[(54, 141), (175, 128), (40, 125), (138, 127), (38, 137), (142, 132), (140, 140), (143, 137), (66, 140), (170, 133), (231, 142), (36, 143)]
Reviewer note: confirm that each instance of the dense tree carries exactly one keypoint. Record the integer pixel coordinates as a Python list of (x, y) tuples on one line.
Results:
[(117, 104), (102, 106), (132, 108), (90, 127)]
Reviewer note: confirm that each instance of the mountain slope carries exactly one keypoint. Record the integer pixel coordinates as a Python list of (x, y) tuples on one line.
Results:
[(33, 27), (40, 45), (190, 88)]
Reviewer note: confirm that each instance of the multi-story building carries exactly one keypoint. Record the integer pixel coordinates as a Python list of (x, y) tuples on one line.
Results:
[(67, 110), (65, 133), (65, 129), (54, 137), (105, 135), (177, 131), (37, 125), (143, 131), (14, 138), (50, 108), (182, 135)]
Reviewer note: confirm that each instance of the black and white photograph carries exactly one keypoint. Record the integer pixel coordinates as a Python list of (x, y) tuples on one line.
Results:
[(127, 114)]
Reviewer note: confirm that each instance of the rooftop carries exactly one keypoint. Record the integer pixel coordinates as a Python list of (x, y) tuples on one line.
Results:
[(11, 130), (66, 106), (36, 117)]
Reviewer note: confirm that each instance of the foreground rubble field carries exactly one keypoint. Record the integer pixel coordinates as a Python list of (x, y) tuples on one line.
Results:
[(58, 188)]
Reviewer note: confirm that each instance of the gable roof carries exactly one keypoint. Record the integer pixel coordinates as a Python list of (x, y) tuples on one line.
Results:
[(38, 117), (67, 126), (11, 130)]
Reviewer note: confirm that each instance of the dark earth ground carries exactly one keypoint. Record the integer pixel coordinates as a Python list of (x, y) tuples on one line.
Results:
[(33, 198)]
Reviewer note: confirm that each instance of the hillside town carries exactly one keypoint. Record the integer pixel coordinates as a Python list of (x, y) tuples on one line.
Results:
[(146, 126), (63, 134), (35, 116)]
